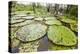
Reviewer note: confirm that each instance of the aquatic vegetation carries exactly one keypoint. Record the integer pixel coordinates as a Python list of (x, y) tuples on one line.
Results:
[(33, 25), (62, 35), (30, 28)]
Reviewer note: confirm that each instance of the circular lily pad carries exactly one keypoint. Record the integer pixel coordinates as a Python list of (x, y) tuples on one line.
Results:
[(68, 20), (50, 18), (29, 17), (38, 19), (22, 23), (52, 21), (21, 15), (31, 32), (17, 21), (61, 35), (59, 47)]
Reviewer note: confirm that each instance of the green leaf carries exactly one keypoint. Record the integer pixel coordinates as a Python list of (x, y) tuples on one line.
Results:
[(61, 35), (68, 20), (38, 19), (21, 24), (52, 21), (50, 18), (59, 47)]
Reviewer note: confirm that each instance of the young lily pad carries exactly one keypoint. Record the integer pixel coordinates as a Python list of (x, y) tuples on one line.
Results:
[(61, 35), (31, 32)]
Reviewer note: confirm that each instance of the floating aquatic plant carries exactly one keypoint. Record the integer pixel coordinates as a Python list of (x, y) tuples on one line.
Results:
[(30, 29)]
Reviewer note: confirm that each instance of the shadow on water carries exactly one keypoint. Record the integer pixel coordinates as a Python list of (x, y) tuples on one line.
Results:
[(43, 44)]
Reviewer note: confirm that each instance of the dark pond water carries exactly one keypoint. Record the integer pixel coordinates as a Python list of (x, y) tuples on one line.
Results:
[(43, 46)]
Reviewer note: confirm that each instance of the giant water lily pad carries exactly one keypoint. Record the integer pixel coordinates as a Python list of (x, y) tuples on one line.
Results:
[(38, 19), (61, 35), (68, 20), (31, 32), (59, 47), (17, 21), (20, 15), (29, 17), (50, 18), (52, 21), (13, 31), (22, 23)]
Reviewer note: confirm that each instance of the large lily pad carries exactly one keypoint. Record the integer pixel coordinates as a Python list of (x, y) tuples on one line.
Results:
[(22, 23), (59, 47), (52, 21), (29, 17), (17, 21), (68, 20), (31, 32), (50, 18), (38, 19), (20, 15), (61, 35)]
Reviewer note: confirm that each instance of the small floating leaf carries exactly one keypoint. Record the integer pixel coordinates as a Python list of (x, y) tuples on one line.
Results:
[(61, 35)]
